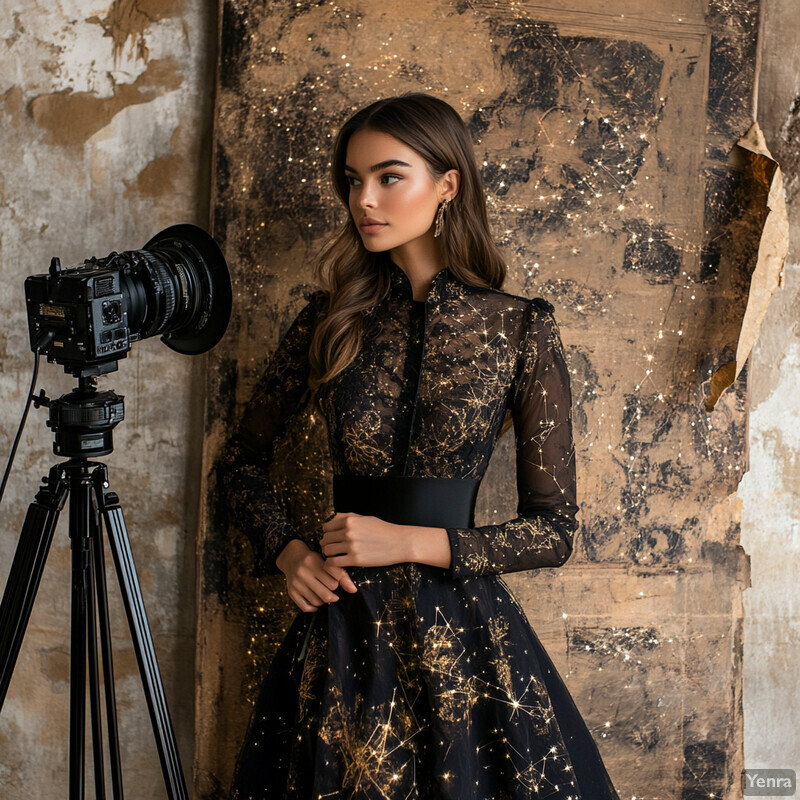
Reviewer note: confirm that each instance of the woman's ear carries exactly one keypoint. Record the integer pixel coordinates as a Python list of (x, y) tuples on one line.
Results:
[(449, 184)]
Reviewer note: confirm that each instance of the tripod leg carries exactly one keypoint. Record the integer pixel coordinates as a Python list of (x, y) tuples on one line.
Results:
[(98, 561), (94, 676), (79, 521), (26, 572), (108, 503)]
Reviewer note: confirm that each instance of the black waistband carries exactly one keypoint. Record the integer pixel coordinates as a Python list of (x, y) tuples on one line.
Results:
[(432, 502)]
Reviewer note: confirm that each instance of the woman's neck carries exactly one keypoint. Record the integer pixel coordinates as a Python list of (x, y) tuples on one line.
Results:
[(420, 260)]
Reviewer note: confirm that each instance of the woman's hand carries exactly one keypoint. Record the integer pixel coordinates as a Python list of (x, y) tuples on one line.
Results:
[(310, 580), (354, 540)]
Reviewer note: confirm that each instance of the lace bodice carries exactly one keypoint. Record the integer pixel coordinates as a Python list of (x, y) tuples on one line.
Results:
[(426, 396)]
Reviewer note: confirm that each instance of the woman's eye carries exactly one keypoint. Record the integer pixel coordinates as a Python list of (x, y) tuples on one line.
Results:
[(350, 179)]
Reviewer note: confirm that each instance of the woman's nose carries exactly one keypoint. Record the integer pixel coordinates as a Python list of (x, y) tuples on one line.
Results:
[(366, 197)]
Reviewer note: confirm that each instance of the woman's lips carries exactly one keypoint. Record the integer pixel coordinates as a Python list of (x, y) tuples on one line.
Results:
[(373, 228)]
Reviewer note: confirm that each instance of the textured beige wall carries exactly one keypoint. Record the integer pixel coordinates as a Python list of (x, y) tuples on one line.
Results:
[(105, 126), (606, 131), (769, 490)]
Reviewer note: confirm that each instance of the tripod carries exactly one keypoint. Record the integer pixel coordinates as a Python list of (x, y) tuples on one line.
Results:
[(82, 421)]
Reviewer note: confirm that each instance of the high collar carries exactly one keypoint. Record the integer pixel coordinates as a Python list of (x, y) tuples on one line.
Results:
[(401, 285)]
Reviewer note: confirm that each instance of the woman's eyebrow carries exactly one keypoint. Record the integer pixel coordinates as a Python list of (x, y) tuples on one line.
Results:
[(392, 162)]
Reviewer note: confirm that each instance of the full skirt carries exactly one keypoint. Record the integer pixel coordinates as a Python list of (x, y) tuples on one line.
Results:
[(417, 687)]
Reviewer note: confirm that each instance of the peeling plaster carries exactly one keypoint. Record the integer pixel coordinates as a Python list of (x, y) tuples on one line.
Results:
[(161, 174), (129, 19), (157, 177), (11, 103), (70, 118)]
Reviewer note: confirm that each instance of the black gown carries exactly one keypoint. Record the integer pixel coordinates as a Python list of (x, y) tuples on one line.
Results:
[(426, 683)]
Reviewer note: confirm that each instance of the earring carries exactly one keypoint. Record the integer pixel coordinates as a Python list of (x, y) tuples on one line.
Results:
[(440, 216)]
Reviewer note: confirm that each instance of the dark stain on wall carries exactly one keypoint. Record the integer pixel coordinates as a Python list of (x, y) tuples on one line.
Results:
[(731, 70), (727, 559), (235, 44), (583, 385), (649, 251), (704, 767), (659, 544)]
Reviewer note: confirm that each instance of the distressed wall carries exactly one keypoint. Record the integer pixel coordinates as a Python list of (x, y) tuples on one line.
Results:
[(605, 130), (769, 490), (105, 119)]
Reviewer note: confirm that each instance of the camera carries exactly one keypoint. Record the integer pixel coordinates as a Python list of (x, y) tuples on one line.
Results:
[(86, 317)]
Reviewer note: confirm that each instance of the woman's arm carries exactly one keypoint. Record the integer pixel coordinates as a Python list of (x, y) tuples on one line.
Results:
[(428, 546), (243, 465), (541, 535)]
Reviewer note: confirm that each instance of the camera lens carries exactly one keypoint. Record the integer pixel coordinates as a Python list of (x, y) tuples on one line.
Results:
[(178, 286)]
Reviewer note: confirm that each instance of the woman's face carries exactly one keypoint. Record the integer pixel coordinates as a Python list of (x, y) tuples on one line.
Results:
[(399, 194)]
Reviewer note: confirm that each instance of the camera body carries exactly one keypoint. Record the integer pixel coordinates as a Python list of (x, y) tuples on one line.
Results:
[(84, 309)]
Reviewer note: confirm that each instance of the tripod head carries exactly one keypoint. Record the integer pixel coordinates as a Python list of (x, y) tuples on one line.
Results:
[(82, 420)]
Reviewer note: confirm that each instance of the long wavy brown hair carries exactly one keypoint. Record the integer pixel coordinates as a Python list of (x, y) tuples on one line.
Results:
[(358, 279)]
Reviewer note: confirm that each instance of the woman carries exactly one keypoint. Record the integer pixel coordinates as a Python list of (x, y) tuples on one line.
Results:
[(410, 670)]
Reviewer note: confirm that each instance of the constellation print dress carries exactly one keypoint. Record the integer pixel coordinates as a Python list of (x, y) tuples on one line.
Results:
[(426, 683)]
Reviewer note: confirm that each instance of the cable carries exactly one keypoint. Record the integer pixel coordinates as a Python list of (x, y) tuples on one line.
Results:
[(41, 342)]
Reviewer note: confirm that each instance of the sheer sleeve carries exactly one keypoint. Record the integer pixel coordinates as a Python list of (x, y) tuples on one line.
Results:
[(243, 466), (541, 535)]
